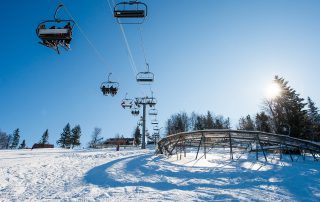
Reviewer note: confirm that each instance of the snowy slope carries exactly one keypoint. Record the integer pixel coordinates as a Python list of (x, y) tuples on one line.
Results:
[(135, 175)]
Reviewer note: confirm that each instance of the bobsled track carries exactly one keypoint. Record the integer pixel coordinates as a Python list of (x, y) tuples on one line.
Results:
[(251, 141)]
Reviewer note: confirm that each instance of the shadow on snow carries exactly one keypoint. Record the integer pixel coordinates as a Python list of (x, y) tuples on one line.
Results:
[(298, 181)]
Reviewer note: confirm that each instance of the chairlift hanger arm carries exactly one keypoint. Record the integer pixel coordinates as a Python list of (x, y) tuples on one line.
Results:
[(56, 12)]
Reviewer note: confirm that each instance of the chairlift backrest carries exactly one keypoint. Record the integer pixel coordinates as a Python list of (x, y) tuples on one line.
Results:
[(145, 77)]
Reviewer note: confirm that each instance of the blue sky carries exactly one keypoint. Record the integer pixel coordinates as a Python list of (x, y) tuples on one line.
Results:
[(213, 55)]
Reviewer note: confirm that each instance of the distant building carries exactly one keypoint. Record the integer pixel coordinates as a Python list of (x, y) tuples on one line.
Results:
[(118, 141), (42, 146)]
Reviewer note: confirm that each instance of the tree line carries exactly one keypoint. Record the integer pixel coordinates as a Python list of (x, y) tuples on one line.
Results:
[(288, 113), (69, 138), (182, 122)]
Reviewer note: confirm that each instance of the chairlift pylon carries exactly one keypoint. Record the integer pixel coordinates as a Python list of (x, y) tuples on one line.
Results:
[(134, 10), (109, 87), (146, 77), (55, 33)]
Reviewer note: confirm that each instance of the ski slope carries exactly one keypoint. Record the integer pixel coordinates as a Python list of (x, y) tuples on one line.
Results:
[(136, 175)]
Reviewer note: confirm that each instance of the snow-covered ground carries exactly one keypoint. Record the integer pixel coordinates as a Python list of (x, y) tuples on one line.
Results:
[(136, 175)]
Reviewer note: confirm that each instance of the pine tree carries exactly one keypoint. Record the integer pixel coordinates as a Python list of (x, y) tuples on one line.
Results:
[(65, 137), (15, 140), (287, 110), (199, 123), (9, 141), (246, 123), (263, 122), (4, 138), (44, 138), (137, 136), (226, 124), (75, 136), (313, 121), (23, 145), (218, 122), (209, 121), (95, 139), (177, 123)]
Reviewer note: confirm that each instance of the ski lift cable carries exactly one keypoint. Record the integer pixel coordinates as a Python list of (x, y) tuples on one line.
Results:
[(129, 52), (142, 45), (131, 60), (85, 36)]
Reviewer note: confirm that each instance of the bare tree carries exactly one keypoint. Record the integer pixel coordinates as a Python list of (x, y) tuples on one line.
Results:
[(95, 139)]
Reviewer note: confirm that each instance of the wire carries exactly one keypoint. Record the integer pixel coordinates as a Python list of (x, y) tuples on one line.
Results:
[(142, 45), (85, 36), (129, 52), (131, 60)]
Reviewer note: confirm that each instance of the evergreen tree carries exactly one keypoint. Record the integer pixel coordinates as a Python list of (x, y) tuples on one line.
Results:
[(287, 110), (15, 139), (75, 136), (4, 138), (226, 124), (23, 145), (218, 122), (9, 141), (137, 136), (44, 138), (263, 122), (313, 127), (200, 123), (95, 138), (209, 123), (246, 123), (65, 137), (177, 123)]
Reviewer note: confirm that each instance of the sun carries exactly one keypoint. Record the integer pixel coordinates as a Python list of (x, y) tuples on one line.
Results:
[(273, 90)]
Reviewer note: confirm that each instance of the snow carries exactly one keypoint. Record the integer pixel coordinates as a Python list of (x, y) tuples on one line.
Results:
[(139, 175)]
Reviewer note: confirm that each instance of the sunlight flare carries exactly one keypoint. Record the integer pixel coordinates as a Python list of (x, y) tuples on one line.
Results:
[(273, 90)]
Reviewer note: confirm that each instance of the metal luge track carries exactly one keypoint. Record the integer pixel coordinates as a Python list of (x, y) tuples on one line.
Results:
[(256, 140)]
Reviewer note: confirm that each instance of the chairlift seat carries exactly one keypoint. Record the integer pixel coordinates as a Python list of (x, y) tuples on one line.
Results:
[(154, 122), (55, 34), (129, 14), (144, 79), (54, 31)]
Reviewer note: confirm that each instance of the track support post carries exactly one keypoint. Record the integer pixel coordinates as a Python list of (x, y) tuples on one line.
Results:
[(230, 143)]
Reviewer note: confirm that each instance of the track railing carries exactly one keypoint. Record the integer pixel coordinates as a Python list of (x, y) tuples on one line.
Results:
[(255, 140)]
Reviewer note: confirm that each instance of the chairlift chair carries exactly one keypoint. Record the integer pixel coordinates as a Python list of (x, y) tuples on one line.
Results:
[(130, 10), (153, 112), (146, 77), (156, 128), (151, 101), (126, 103), (55, 33), (135, 111), (109, 87), (154, 122)]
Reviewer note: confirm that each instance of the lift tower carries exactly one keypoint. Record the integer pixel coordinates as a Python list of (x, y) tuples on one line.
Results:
[(144, 102)]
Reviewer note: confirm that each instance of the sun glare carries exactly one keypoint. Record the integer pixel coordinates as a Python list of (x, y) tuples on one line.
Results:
[(273, 90)]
